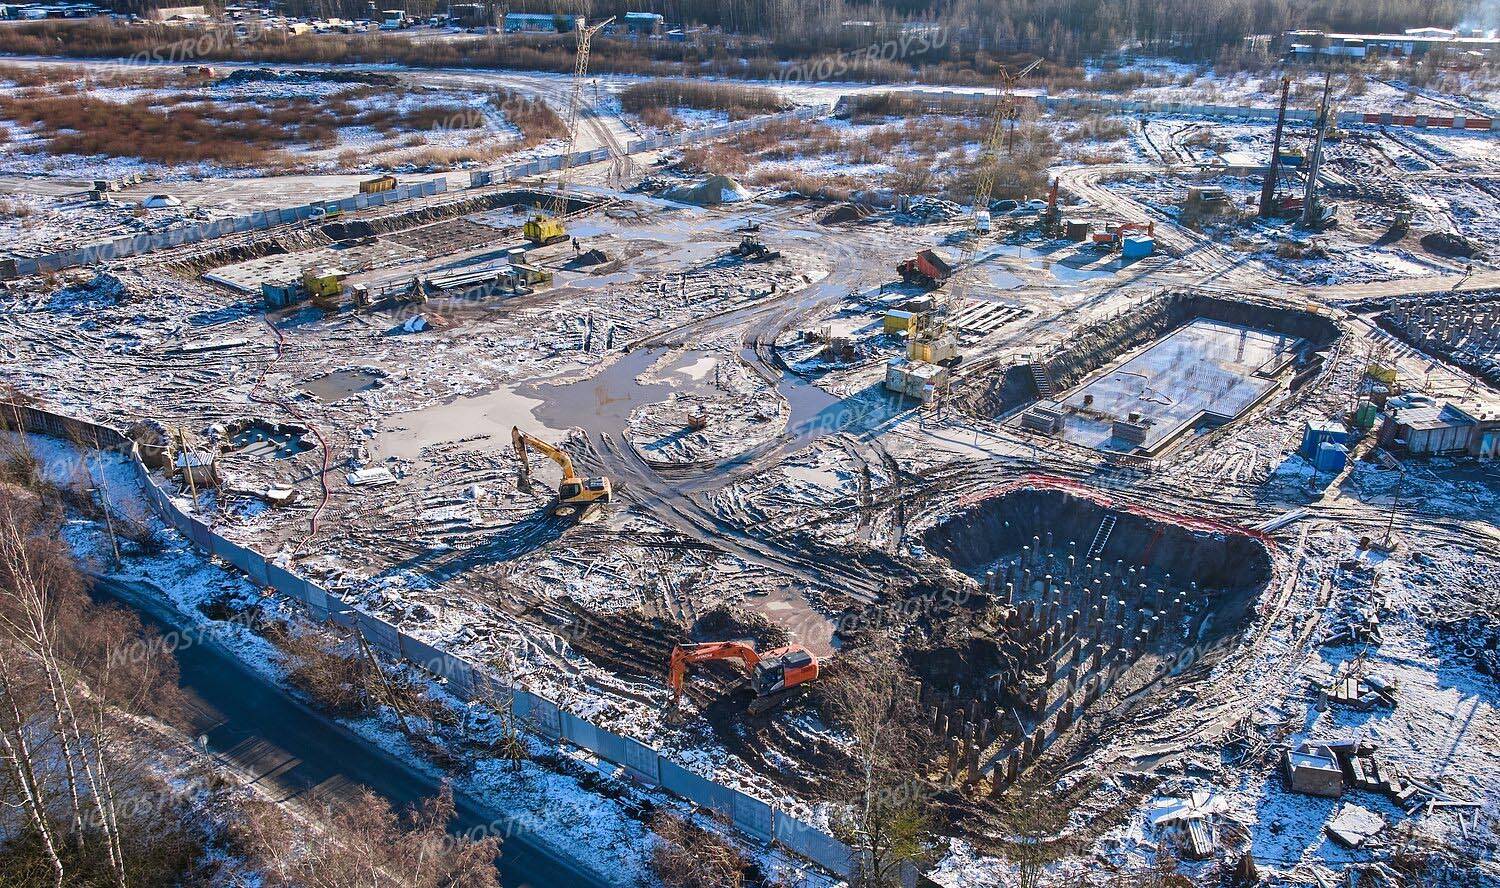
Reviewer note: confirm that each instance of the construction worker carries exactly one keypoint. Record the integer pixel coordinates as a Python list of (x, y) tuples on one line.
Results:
[(576, 248)]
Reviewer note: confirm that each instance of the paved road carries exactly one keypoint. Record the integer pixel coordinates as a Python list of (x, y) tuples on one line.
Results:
[(296, 753)]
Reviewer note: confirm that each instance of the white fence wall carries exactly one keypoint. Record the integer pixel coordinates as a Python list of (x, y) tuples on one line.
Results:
[(464, 680), (141, 244), (1470, 123)]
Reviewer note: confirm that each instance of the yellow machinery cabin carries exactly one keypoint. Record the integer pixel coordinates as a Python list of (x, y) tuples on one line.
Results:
[(542, 230)]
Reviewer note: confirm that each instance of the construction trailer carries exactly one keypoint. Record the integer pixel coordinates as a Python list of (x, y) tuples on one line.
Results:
[(915, 379), (932, 345), (1434, 429), (900, 321), (323, 286), (1317, 432), (1137, 247)]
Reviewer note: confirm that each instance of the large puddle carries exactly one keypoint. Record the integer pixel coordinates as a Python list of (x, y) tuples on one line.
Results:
[(479, 422)]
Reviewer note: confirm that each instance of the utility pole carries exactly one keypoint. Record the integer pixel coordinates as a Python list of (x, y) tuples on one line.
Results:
[(1311, 213), (1268, 187)]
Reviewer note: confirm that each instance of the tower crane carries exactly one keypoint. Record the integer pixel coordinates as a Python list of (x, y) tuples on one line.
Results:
[(547, 227)]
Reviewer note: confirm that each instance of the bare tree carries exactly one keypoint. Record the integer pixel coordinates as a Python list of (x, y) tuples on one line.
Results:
[(368, 845), (1033, 815), (39, 594), (869, 695)]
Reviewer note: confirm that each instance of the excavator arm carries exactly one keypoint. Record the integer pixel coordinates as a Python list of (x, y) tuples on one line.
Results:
[(578, 498), (521, 441), (772, 675), (685, 655)]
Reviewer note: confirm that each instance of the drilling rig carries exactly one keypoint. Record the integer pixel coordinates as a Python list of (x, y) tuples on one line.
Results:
[(547, 227)]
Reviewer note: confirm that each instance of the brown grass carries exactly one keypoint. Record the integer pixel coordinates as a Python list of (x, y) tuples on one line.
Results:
[(534, 118), (739, 102), (185, 128)]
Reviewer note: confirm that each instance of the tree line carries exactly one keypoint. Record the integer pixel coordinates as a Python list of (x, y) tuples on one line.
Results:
[(1062, 30)]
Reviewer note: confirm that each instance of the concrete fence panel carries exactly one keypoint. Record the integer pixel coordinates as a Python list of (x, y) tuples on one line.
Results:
[(641, 761), (609, 746), (579, 732), (546, 717), (753, 816), (814, 844), (379, 634)]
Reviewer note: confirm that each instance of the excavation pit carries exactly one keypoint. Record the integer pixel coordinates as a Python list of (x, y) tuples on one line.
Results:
[(1076, 592), (266, 440), (1198, 377), (1150, 378)]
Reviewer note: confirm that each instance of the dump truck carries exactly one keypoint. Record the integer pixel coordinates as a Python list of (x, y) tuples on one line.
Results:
[(926, 268)]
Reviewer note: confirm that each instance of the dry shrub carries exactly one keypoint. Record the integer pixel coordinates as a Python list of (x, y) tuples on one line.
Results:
[(714, 159), (1101, 156), (368, 843), (738, 101), (659, 118), (337, 676), (816, 185), (534, 118), (185, 134), (690, 856)]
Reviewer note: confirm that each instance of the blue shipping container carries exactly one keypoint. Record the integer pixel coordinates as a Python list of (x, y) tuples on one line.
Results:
[(1137, 247), (1331, 457)]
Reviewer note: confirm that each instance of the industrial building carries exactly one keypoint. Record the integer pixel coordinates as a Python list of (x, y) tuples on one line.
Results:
[(1413, 43), (644, 23), (541, 23)]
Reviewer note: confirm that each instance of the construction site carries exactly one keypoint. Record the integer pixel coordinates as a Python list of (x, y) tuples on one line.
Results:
[(1171, 484)]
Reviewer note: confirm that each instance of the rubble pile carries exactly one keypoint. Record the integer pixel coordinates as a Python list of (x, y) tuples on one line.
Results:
[(1477, 640)]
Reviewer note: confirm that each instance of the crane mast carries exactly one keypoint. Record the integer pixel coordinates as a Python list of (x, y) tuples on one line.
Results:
[(979, 212), (547, 227)]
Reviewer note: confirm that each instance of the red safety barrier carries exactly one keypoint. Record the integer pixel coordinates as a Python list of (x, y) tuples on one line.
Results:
[(1440, 121), (1404, 120), (1482, 123), (1372, 118)]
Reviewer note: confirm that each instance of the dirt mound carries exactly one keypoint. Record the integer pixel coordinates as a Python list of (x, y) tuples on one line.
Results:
[(588, 258), (1446, 244), (712, 191), (729, 624), (849, 212), (271, 75), (342, 231)]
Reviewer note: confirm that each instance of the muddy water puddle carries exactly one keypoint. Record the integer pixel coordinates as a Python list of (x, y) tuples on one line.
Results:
[(481, 422), (340, 384)]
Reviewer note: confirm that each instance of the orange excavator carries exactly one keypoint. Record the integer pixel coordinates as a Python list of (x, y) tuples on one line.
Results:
[(772, 675)]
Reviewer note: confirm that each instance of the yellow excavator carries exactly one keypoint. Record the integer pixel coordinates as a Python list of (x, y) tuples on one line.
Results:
[(576, 497)]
